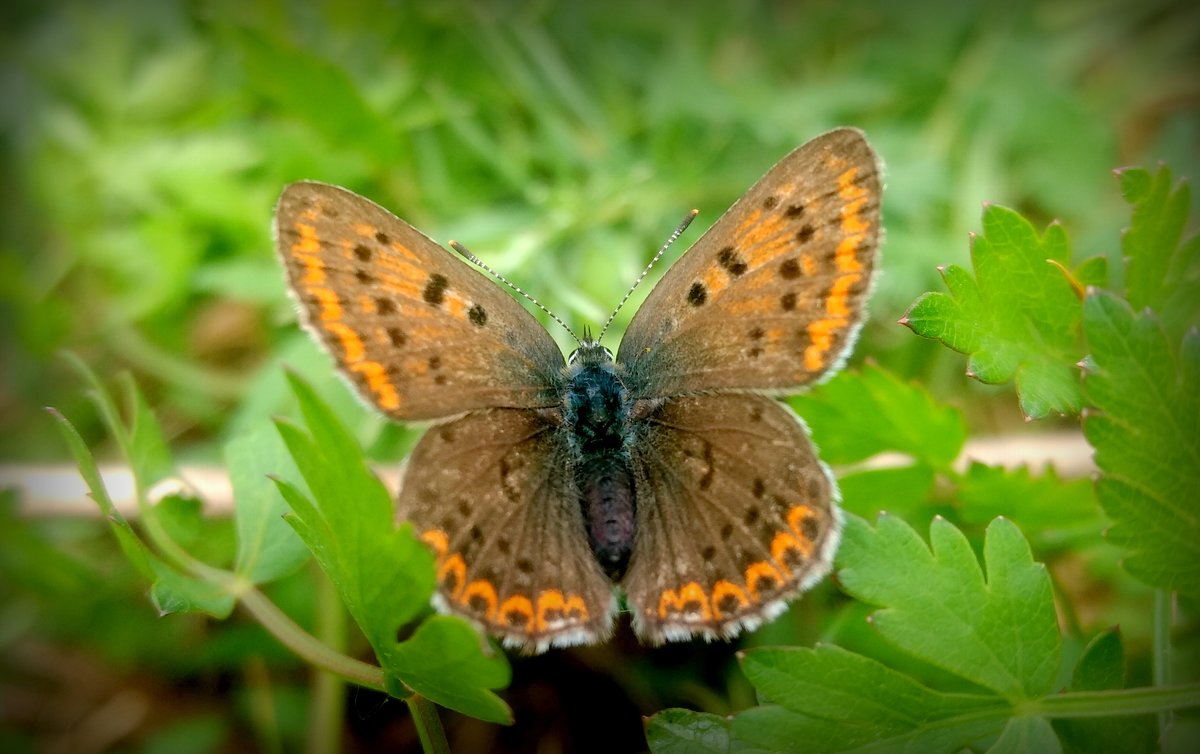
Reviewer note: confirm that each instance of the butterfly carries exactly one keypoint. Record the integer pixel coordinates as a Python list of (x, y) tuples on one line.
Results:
[(668, 473)]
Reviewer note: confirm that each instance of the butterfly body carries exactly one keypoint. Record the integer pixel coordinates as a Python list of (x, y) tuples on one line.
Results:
[(596, 424), (546, 487)]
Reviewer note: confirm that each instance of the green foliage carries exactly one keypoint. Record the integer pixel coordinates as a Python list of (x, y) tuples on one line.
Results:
[(992, 630), (382, 572), (1144, 422), (1018, 317)]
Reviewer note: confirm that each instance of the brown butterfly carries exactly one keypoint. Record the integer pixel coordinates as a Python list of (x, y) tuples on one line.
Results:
[(670, 471)]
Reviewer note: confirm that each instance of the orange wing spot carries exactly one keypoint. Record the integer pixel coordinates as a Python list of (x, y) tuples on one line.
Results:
[(405, 252), (836, 303), (760, 572), (715, 281), (378, 383), (454, 571), (785, 542), (331, 306), (723, 589), (852, 222), (820, 334), (364, 230), (756, 234), (308, 242), (847, 188), (516, 612), (484, 590), (366, 304), (310, 214), (353, 350), (752, 306), (436, 539), (846, 254), (689, 599), (553, 609), (808, 264), (748, 225), (796, 517)]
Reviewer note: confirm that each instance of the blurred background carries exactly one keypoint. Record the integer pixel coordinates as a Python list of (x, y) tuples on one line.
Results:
[(142, 148)]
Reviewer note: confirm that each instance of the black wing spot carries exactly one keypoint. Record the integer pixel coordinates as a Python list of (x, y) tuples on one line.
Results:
[(435, 289), (385, 305), (364, 277), (759, 488), (790, 269), (788, 301), (770, 202), (698, 294), (382, 238), (751, 515), (805, 234), (363, 253), (794, 210), (477, 315), (729, 259), (396, 336)]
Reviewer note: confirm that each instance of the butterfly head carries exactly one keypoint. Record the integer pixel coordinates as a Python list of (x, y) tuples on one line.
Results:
[(589, 353)]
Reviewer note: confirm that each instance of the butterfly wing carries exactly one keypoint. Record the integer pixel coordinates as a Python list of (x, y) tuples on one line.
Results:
[(736, 515), (489, 492), (772, 296), (419, 333)]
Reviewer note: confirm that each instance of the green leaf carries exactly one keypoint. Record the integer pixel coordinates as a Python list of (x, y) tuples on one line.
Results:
[(382, 572), (857, 415), (171, 591), (1144, 423), (1018, 318), (1160, 272), (267, 547), (830, 699), (1024, 735), (1102, 667), (680, 731), (1049, 508), (1000, 632)]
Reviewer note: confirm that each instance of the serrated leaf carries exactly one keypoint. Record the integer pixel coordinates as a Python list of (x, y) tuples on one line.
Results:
[(1000, 632), (1155, 261), (857, 415), (1145, 429), (382, 572), (1018, 318), (267, 547), (830, 699)]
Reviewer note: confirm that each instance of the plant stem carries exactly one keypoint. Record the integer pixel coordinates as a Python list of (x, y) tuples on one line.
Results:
[(328, 703), (1162, 650), (1119, 703), (429, 725), (305, 645)]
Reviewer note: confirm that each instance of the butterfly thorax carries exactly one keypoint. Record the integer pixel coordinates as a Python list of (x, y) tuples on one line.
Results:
[(596, 412)]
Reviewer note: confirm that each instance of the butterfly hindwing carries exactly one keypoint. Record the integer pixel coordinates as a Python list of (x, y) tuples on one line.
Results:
[(735, 516), (491, 494), (771, 297), (419, 333)]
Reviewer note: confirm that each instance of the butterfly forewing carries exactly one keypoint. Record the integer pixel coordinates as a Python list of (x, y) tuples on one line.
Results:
[(490, 494), (736, 515), (772, 296), (419, 333)]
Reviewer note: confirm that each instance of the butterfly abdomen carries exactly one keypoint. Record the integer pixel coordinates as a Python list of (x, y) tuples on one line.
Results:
[(596, 414)]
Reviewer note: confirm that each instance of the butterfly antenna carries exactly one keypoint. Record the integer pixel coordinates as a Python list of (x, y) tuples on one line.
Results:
[(670, 240), (482, 265)]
